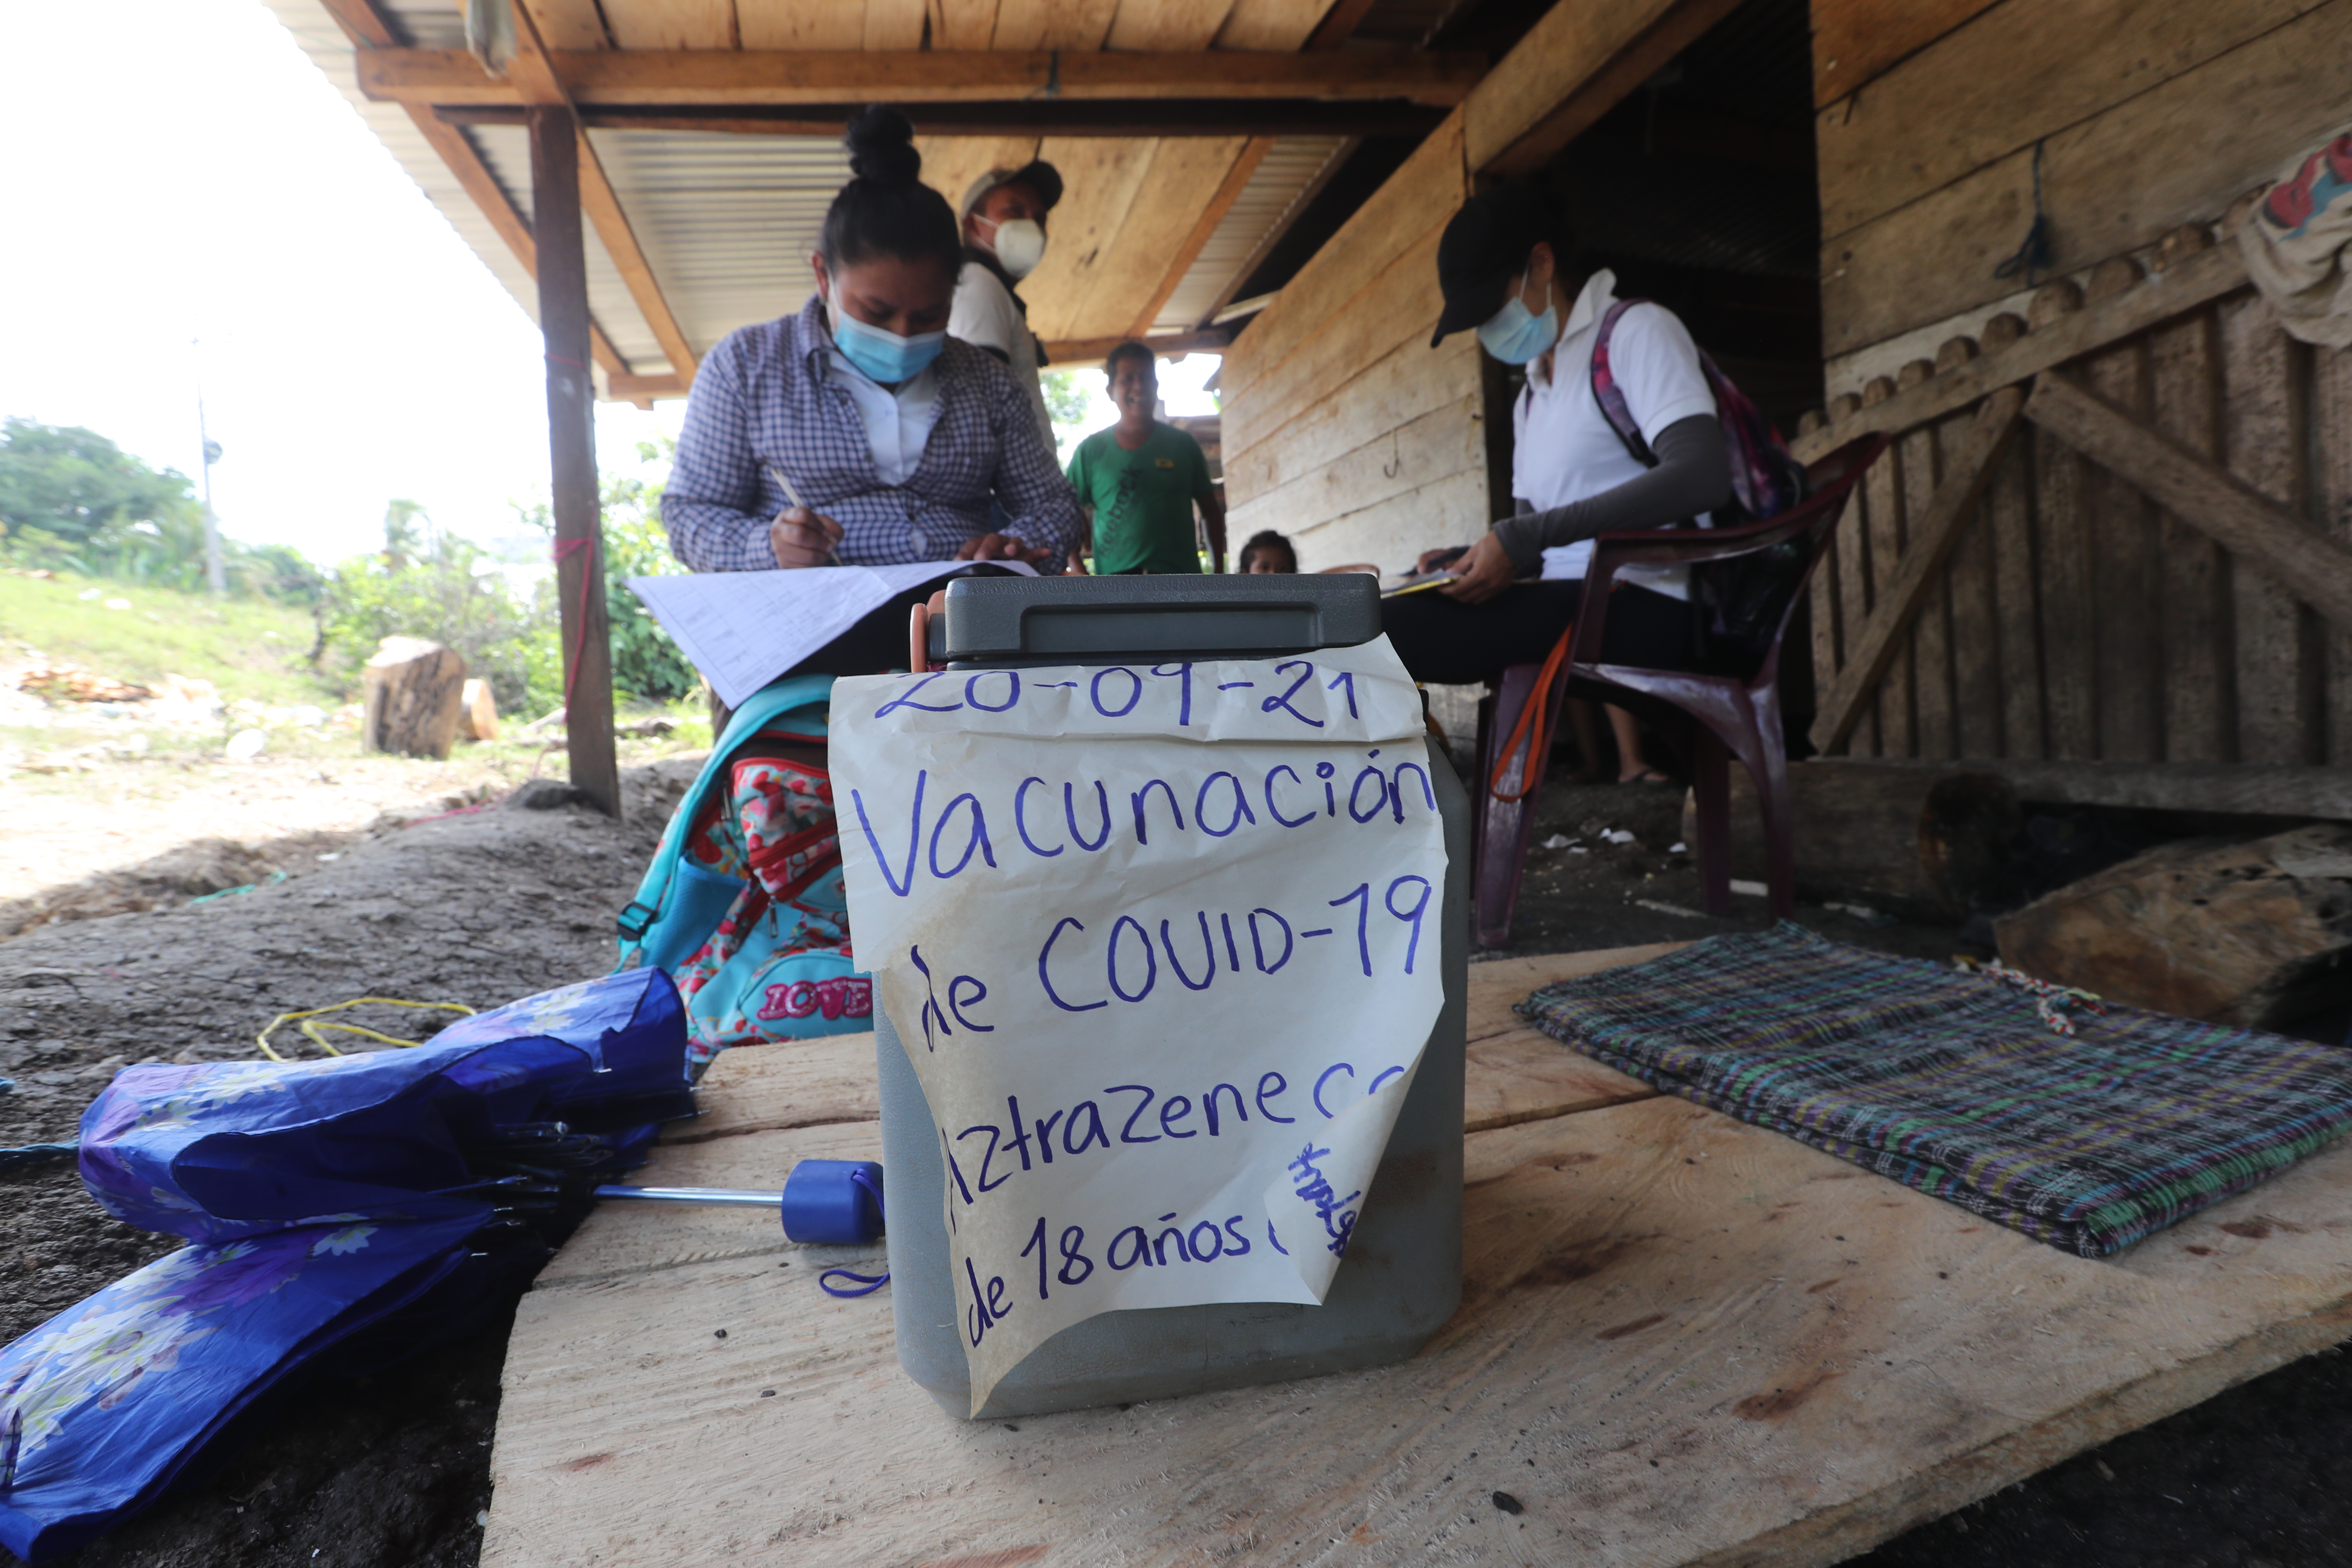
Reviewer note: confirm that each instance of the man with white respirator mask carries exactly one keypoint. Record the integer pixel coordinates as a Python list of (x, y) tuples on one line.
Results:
[(1005, 214)]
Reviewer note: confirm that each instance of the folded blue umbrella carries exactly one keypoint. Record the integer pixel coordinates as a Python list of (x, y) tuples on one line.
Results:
[(341, 1212)]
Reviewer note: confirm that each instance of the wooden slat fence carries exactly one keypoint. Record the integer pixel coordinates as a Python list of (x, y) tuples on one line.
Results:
[(2075, 617)]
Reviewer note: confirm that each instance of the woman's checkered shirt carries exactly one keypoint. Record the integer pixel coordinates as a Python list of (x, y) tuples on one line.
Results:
[(762, 398)]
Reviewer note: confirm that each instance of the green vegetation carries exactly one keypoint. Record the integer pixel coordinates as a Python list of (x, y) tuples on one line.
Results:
[(246, 648), (644, 660), (74, 504), (72, 500), (426, 584)]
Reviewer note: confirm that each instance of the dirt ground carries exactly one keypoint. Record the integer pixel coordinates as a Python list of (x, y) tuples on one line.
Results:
[(491, 905)]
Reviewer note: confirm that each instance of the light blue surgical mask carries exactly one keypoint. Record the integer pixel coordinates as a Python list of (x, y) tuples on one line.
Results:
[(1516, 335), (880, 352)]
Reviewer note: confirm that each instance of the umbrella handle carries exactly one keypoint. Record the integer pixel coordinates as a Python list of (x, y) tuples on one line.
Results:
[(831, 1202)]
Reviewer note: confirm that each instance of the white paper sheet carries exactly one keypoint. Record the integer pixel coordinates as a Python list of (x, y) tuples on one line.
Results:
[(1162, 943), (742, 629)]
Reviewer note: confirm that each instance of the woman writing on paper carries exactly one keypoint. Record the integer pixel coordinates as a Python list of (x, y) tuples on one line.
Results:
[(857, 432), (1506, 265)]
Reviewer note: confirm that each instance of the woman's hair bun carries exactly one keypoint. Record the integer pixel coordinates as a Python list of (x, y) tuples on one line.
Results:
[(882, 148)]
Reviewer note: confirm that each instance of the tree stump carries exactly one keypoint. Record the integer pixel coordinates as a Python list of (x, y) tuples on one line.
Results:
[(477, 711), (1918, 842), (412, 689), (2256, 934)]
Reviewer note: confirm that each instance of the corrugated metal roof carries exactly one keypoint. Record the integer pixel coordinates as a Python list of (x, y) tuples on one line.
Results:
[(1290, 168), (726, 222)]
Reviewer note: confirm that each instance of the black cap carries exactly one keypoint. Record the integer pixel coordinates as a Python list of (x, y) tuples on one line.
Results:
[(1483, 249)]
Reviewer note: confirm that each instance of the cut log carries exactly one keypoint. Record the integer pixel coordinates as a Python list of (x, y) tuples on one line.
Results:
[(1926, 843), (477, 711), (2256, 933), (413, 690)]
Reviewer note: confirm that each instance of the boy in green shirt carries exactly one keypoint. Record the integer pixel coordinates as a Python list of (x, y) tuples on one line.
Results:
[(1139, 480)]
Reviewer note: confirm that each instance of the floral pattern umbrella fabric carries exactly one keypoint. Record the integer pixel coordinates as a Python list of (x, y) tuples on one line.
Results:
[(343, 1209)]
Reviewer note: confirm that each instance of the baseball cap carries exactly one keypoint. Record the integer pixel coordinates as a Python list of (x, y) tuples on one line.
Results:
[(1037, 175), (1483, 248)]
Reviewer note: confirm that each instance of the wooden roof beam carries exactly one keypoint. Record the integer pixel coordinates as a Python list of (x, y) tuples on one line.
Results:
[(532, 73), (371, 32), (1125, 119), (1071, 352), (719, 78)]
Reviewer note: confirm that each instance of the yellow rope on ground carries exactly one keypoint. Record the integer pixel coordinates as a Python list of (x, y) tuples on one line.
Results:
[(320, 1039)]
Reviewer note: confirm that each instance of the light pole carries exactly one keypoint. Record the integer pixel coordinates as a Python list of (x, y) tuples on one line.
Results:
[(210, 449)]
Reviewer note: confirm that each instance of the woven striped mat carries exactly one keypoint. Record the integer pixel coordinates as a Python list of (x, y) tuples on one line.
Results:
[(1950, 1082)]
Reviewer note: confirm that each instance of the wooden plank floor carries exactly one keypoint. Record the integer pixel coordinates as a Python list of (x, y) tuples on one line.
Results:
[(1682, 1340)]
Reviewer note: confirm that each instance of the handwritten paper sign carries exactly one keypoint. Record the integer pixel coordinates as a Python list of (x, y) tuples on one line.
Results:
[(1162, 943), (742, 629)]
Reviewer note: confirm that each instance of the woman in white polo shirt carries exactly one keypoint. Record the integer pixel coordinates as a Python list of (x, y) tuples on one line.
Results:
[(1504, 264)]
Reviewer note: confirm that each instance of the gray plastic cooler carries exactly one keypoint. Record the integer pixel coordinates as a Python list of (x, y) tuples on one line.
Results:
[(1401, 1277)]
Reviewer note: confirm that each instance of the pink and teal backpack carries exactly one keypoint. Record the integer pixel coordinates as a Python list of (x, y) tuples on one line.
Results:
[(743, 904)]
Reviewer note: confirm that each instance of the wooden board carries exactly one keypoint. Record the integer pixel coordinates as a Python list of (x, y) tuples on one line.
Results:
[(1392, 533), (2239, 789), (1446, 441), (1182, 175), (1053, 23), (1934, 257), (1683, 1340), (963, 23), (1271, 24), (1926, 453), (1167, 24), (1855, 40), (796, 25), (568, 24), (2331, 412), (2260, 446), (761, 1089), (2017, 73), (2200, 717), (1403, 214), (1572, 67), (2129, 662), (1413, 380), (2010, 355), (1102, 177), (1880, 498), (1397, 308), (671, 24), (951, 164)]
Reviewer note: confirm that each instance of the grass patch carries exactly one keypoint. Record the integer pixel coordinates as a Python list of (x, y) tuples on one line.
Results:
[(246, 648)]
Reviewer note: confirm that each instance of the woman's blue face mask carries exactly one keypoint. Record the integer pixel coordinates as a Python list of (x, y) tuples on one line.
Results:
[(880, 352), (1516, 335)]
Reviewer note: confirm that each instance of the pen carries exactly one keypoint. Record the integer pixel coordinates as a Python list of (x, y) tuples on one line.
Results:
[(831, 557)]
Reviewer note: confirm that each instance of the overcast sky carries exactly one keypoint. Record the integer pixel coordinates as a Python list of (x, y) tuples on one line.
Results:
[(185, 192)]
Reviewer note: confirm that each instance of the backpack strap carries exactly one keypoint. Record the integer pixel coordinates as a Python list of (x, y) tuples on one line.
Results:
[(638, 921), (1610, 396)]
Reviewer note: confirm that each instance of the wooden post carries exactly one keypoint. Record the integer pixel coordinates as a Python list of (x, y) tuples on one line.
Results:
[(571, 452)]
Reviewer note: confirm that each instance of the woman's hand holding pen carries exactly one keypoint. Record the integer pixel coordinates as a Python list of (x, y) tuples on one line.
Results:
[(800, 537)]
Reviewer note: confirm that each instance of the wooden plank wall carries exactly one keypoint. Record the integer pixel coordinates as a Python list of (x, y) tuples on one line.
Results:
[(2148, 114), (1343, 428), (2076, 620)]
